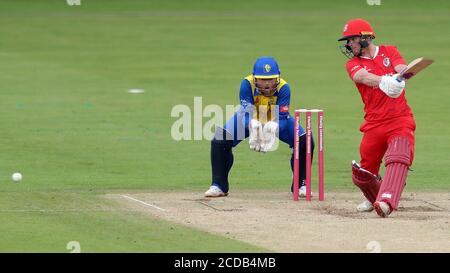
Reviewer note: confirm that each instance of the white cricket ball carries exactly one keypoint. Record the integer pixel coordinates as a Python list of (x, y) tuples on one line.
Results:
[(17, 177)]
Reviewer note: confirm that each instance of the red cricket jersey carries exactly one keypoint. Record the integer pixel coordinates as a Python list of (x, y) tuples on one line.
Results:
[(378, 106)]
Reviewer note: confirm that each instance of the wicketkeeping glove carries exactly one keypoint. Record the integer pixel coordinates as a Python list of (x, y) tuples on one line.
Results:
[(269, 136), (256, 133)]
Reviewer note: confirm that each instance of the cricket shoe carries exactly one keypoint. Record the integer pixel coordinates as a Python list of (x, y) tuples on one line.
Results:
[(365, 206), (382, 208), (215, 191), (302, 191)]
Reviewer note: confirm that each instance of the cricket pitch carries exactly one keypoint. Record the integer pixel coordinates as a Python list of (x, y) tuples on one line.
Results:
[(273, 221)]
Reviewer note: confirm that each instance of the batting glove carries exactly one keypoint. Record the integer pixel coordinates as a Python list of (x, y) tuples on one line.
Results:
[(391, 86)]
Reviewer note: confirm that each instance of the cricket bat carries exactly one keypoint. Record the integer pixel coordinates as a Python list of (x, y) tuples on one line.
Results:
[(413, 68)]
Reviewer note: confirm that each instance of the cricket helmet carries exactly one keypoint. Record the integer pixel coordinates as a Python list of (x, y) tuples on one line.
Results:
[(266, 68), (357, 27)]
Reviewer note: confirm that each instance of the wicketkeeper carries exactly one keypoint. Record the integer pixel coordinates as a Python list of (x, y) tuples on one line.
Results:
[(263, 117), (388, 127)]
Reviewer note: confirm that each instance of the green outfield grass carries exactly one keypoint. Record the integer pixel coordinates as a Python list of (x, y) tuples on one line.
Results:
[(71, 128)]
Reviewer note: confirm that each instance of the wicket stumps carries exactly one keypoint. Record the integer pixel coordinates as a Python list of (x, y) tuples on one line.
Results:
[(320, 148)]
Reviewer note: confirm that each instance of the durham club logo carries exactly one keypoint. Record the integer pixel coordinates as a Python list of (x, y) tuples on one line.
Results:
[(267, 68), (386, 62)]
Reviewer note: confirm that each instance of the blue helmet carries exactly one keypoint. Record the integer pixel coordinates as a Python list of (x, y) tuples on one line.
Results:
[(266, 68)]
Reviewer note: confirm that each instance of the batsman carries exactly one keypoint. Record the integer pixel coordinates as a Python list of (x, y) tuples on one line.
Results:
[(388, 127), (263, 117)]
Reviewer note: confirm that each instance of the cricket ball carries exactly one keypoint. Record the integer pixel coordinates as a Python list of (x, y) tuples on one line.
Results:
[(17, 177)]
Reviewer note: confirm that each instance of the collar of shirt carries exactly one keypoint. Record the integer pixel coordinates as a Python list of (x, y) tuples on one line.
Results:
[(374, 56)]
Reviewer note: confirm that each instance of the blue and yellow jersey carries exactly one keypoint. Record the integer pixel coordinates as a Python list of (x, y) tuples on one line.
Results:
[(265, 106)]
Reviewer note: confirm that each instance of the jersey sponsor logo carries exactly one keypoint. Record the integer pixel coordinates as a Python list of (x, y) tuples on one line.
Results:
[(386, 62), (284, 109), (267, 68)]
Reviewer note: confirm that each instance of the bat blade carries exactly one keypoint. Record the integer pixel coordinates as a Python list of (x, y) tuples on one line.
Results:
[(414, 67)]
